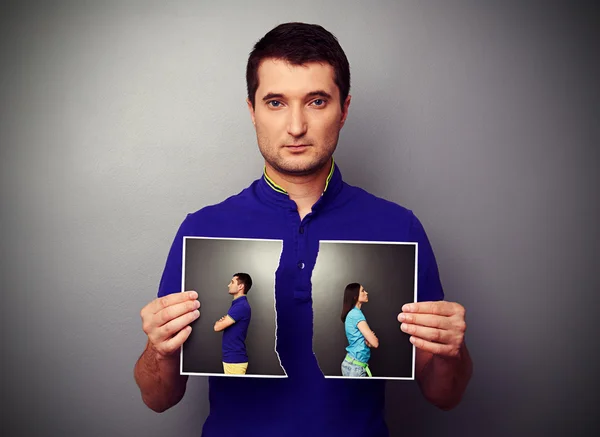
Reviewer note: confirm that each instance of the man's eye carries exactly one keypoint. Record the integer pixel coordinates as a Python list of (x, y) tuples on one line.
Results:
[(319, 102), (274, 103)]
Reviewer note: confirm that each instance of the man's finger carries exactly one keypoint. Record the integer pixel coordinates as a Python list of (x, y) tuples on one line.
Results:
[(435, 348), (429, 320), (169, 313), (175, 325), (171, 299), (440, 308), (173, 344), (430, 334)]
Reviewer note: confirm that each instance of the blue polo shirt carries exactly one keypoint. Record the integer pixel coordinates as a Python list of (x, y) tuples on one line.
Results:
[(304, 403), (357, 348), (234, 336)]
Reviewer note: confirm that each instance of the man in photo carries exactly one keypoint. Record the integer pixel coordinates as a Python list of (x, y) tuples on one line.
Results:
[(235, 326)]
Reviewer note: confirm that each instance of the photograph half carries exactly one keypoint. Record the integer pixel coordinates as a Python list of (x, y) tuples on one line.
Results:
[(358, 290), (235, 334)]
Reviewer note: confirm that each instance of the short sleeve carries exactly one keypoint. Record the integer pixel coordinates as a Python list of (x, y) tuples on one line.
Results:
[(171, 280), (356, 317), (429, 286), (239, 312)]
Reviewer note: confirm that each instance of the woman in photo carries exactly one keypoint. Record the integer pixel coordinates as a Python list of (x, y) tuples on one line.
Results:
[(359, 335)]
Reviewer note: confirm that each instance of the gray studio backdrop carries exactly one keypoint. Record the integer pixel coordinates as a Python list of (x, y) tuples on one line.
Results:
[(209, 266), (387, 272), (120, 117)]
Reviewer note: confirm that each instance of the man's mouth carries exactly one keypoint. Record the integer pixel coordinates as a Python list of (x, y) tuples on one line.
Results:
[(296, 147)]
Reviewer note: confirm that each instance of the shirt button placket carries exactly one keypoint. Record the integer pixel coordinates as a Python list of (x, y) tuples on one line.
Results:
[(301, 246), (301, 288)]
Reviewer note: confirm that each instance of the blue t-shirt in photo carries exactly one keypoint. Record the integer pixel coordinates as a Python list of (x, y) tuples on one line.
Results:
[(234, 337), (357, 348)]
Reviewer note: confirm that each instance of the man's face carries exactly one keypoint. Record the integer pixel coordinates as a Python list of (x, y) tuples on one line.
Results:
[(234, 286), (297, 115)]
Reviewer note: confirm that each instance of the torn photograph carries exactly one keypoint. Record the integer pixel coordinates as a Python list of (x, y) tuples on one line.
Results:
[(235, 334), (358, 290)]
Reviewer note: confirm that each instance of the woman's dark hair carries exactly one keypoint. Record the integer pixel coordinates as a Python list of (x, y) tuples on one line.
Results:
[(298, 44), (350, 298)]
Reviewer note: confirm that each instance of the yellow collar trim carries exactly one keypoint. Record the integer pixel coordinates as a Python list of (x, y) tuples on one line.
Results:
[(279, 189)]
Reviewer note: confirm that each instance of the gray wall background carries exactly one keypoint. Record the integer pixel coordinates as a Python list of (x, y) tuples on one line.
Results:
[(118, 118)]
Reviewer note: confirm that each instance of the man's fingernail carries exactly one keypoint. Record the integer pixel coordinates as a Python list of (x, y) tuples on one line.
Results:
[(404, 326), (402, 317), (406, 307), (193, 294)]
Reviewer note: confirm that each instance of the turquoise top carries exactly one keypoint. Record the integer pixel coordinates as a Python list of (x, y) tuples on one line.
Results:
[(357, 348)]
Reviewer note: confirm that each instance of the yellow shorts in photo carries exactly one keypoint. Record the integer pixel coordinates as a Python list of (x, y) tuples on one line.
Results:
[(235, 368)]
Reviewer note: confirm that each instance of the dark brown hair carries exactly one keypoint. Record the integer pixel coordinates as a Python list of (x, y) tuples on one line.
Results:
[(351, 294), (298, 44), (244, 278)]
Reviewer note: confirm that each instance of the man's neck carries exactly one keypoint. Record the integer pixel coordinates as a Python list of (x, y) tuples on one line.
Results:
[(236, 296), (304, 190)]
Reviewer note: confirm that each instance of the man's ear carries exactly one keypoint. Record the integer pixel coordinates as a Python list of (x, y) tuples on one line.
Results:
[(345, 110), (251, 109)]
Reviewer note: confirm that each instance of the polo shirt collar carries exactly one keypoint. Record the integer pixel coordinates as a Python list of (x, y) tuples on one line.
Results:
[(273, 193)]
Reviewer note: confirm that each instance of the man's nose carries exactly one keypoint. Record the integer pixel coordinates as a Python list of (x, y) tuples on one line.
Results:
[(297, 125)]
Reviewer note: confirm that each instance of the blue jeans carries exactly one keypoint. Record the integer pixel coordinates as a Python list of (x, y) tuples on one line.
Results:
[(354, 370)]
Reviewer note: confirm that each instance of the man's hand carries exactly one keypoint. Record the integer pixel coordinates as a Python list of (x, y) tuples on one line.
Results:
[(223, 323), (166, 321), (436, 327), (443, 364)]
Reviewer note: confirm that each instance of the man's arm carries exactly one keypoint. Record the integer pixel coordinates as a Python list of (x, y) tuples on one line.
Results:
[(443, 380), (443, 364), (159, 380), (224, 322), (166, 322)]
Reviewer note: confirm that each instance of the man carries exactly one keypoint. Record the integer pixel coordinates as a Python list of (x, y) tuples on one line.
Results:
[(234, 325), (298, 80)]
